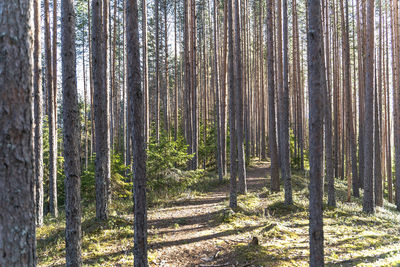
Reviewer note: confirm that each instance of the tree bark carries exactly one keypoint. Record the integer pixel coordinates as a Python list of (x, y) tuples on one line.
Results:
[(71, 122), (232, 121), (315, 72), (271, 101), (139, 153), (284, 111), (38, 111), (368, 200), (51, 116), (17, 177), (217, 92), (101, 116), (242, 187)]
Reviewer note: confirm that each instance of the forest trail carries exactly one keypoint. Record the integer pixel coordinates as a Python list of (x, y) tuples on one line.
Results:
[(198, 229), (187, 233), (202, 231)]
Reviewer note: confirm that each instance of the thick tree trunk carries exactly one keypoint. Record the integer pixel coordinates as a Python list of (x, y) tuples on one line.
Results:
[(315, 72), (101, 116), (17, 178), (71, 122), (38, 113), (139, 153)]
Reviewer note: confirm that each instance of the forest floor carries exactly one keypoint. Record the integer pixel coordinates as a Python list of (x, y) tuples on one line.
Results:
[(198, 229)]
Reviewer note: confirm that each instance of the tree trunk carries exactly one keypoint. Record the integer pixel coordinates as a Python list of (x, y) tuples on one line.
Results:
[(38, 111), (166, 87), (156, 21), (139, 153), (71, 122), (329, 171), (284, 111), (145, 74), (271, 101), (86, 154), (232, 121), (17, 177), (100, 112), (368, 201), (242, 187), (315, 72), (51, 116), (217, 93)]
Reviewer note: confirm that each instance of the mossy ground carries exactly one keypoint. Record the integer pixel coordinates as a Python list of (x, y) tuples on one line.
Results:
[(197, 227)]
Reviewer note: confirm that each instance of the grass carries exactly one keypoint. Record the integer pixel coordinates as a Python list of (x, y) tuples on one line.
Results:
[(351, 237)]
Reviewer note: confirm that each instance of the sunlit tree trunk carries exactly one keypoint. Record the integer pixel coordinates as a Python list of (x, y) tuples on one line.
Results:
[(38, 113), (368, 201), (271, 101)]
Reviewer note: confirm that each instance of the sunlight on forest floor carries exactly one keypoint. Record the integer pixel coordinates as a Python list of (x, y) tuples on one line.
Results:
[(181, 228)]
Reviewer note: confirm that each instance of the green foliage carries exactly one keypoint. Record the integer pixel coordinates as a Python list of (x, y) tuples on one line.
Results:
[(166, 164), (165, 155), (121, 187), (208, 147), (295, 160)]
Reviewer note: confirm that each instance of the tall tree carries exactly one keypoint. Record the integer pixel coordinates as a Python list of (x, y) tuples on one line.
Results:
[(17, 179), (329, 171), (315, 72), (193, 47), (242, 188), (368, 200), (284, 111), (106, 74), (166, 87), (145, 73), (71, 122), (139, 154), (100, 111), (396, 97), (38, 111), (217, 91), (51, 115), (232, 120), (271, 101), (157, 36), (176, 124)]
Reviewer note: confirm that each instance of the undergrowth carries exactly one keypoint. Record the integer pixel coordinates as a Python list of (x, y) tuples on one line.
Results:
[(351, 236)]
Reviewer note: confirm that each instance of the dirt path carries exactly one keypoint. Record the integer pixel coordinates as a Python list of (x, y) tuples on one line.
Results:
[(187, 235)]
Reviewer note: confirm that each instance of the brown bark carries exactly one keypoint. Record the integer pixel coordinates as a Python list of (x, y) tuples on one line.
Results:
[(17, 178)]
